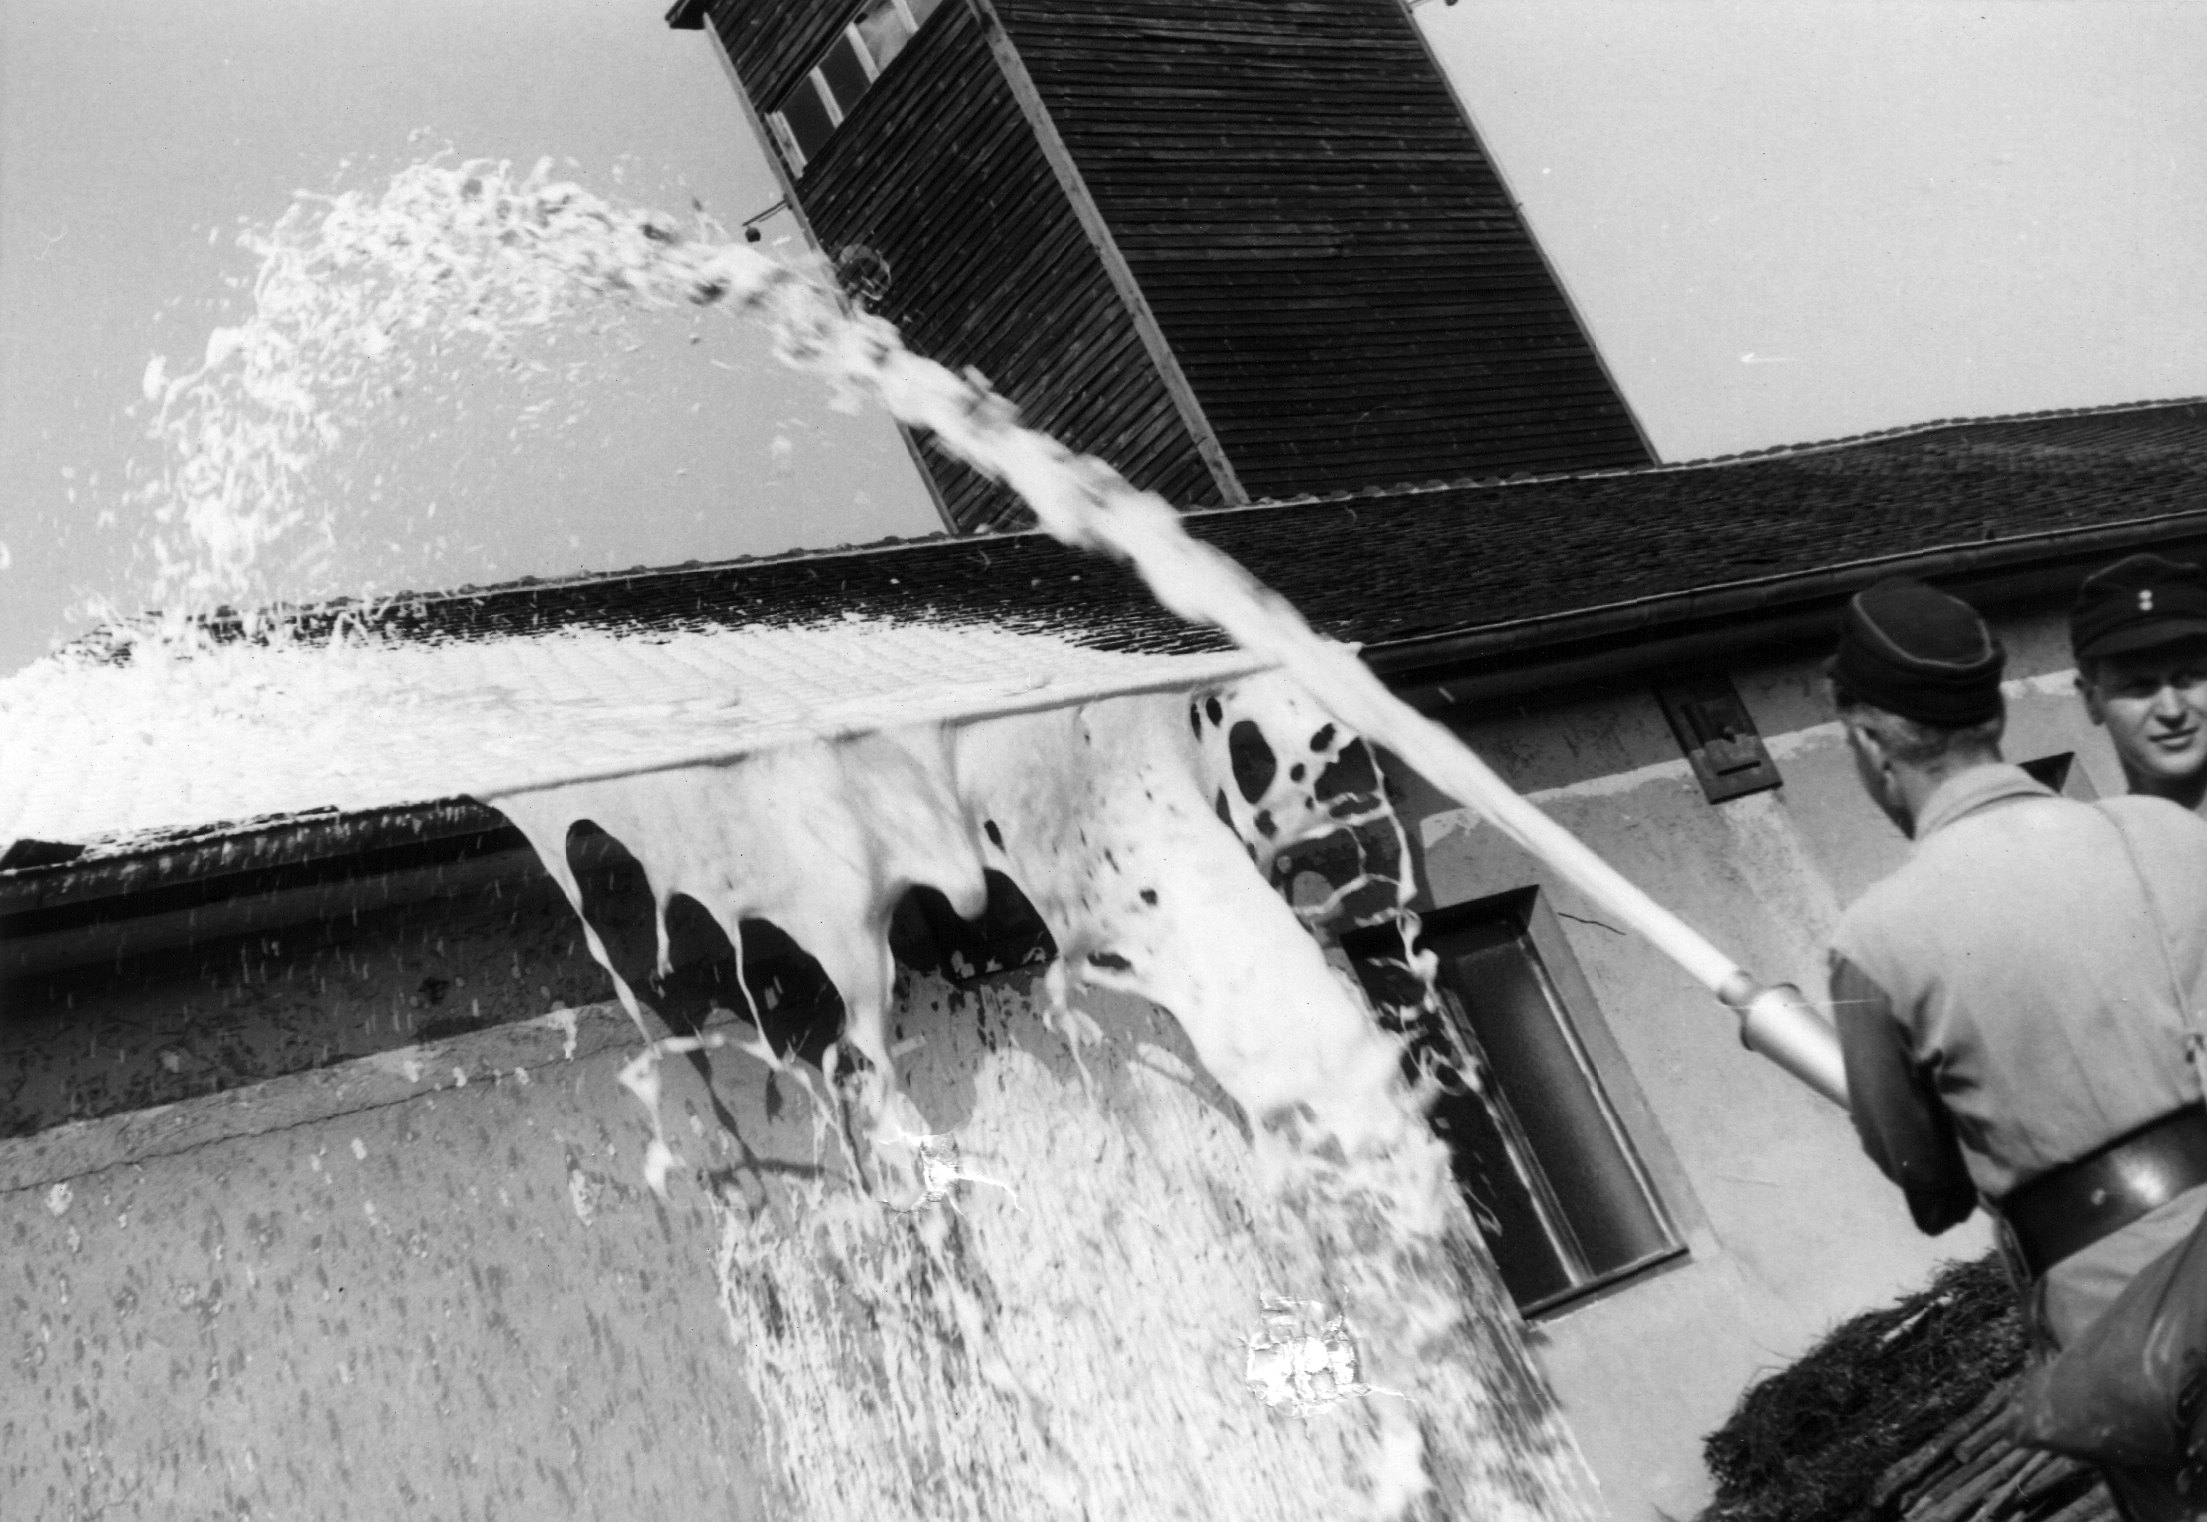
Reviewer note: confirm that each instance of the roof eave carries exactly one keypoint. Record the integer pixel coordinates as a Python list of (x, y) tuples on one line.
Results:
[(1716, 623), (1547, 656)]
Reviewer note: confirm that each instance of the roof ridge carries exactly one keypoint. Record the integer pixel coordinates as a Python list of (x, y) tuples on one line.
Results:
[(1699, 462), (1935, 425), (883, 552), (648, 572)]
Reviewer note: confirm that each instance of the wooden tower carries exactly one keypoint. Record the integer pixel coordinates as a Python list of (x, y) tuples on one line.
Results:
[(1242, 249)]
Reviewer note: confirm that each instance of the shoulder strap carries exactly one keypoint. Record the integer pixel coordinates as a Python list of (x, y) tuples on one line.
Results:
[(2195, 1039)]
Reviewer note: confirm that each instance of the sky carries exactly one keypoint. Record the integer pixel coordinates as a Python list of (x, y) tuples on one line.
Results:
[(1787, 221), (130, 132), (1783, 221)]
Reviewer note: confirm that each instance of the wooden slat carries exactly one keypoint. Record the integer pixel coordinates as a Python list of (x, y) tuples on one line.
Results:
[(939, 172), (772, 42), (2092, 1506), (1328, 251), (1331, 258)]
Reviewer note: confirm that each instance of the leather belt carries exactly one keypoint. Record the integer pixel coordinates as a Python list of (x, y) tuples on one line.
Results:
[(2073, 1206)]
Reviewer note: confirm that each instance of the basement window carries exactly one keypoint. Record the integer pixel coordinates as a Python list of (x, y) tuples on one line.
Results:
[(844, 71), (1558, 1189)]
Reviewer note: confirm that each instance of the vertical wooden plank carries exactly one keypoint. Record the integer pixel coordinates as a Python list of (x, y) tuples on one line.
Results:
[(938, 170), (796, 205), (1555, 274), (1114, 262), (1322, 241)]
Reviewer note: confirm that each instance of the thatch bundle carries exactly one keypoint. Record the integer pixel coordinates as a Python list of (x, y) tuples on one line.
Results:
[(1899, 1416)]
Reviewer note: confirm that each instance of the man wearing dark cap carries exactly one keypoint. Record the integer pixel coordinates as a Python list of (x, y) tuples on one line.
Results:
[(2139, 630), (2011, 1002)]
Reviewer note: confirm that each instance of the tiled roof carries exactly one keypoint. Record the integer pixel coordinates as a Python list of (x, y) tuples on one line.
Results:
[(1422, 563), (1521, 562)]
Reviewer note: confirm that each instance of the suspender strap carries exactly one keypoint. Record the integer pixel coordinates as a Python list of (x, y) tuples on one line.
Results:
[(2077, 1204)]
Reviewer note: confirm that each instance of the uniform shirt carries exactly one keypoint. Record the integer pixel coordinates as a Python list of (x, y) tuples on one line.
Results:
[(2011, 999)]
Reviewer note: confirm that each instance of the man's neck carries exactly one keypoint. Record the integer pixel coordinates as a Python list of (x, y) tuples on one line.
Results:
[(2184, 792), (1918, 785)]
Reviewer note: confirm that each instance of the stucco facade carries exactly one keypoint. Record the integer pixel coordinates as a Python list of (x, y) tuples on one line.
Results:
[(431, 1281)]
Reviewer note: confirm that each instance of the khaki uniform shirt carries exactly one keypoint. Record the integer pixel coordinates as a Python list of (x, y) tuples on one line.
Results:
[(2013, 998)]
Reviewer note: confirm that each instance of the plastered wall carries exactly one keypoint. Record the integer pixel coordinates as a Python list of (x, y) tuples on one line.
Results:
[(430, 1282)]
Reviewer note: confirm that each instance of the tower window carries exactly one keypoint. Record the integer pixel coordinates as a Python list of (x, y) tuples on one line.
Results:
[(845, 70), (1556, 1186)]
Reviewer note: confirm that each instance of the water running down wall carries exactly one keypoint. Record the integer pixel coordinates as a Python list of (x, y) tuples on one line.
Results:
[(1104, 816), (1062, 1339)]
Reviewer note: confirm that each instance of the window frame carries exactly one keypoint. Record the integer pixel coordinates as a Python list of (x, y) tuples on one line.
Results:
[(1653, 1168), (815, 79)]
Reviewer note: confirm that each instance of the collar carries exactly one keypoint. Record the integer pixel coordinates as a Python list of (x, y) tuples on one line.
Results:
[(1978, 788)]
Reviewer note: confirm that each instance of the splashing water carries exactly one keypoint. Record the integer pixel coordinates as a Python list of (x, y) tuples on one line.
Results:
[(472, 249), (1345, 1188), (355, 296)]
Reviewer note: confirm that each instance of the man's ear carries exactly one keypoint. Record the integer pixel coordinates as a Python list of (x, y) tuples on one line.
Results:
[(1874, 765), (2095, 707), (1867, 746)]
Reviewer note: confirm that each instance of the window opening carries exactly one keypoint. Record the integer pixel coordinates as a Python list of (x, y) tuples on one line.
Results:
[(1556, 1186), (804, 121), (884, 28), (844, 71)]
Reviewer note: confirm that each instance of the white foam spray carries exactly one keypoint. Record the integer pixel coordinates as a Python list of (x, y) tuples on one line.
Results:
[(1102, 812), (472, 248)]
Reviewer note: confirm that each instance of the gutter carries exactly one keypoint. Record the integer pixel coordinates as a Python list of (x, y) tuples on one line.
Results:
[(142, 896)]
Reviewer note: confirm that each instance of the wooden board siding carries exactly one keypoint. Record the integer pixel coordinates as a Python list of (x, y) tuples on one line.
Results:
[(1327, 249), (938, 171), (771, 42)]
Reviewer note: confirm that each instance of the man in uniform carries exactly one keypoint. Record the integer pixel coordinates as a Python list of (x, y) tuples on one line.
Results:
[(2013, 1002), (2139, 631)]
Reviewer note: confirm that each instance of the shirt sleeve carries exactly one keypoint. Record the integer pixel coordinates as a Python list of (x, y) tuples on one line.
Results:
[(1904, 1128)]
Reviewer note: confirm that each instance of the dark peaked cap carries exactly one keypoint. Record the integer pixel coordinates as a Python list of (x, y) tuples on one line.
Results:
[(2141, 602), (1914, 651)]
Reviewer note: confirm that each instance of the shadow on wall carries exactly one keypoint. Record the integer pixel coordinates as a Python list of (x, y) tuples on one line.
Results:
[(334, 977), (775, 983)]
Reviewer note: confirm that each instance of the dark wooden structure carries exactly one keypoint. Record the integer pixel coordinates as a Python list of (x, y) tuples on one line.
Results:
[(1241, 250)]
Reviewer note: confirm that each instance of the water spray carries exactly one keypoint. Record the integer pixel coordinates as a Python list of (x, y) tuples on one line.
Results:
[(1083, 502), (505, 252), (457, 250)]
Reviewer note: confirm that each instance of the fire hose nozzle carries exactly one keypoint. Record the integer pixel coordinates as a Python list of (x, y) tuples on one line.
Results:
[(1779, 1023)]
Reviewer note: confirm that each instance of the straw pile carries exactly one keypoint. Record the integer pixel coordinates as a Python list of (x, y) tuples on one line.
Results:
[(1898, 1416)]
